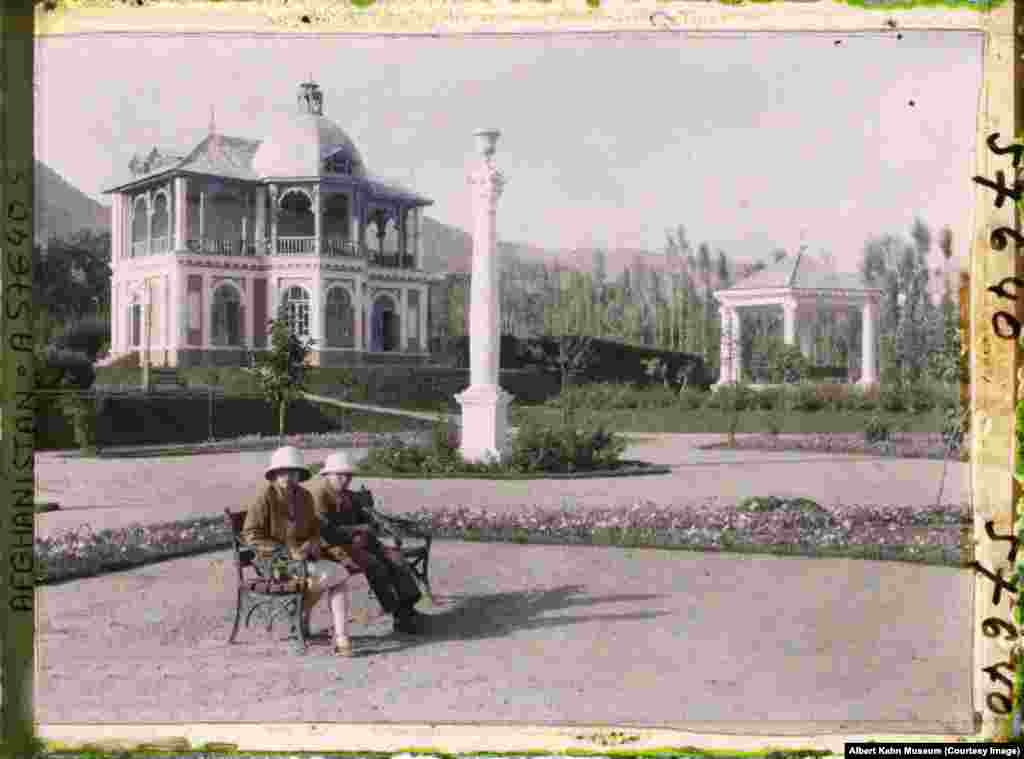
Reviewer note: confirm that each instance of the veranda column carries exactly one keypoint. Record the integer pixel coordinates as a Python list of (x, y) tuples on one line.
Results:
[(870, 339), (273, 220), (418, 263), (149, 223), (424, 342), (317, 221), (202, 221), (259, 234), (353, 221), (484, 404), (403, 320), (180, 213), (357, 316)]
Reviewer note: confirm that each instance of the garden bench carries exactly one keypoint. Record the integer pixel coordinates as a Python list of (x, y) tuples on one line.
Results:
[(259, 590)]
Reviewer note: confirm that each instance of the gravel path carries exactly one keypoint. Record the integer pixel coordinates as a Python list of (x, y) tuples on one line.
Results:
[(537, 634), (110, 493)]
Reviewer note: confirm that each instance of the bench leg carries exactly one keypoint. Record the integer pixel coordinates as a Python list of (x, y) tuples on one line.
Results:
[(238, 618)]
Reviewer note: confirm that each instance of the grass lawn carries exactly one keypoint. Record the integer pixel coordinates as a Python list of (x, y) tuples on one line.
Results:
[(717, 422)]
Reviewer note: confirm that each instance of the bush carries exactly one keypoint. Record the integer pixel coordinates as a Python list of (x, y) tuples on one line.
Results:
[(769, 399), (691, 399), (877, 430), (893, 399), (564, 449), (866, 399), (732, 397), (787, 364), (807, 398)]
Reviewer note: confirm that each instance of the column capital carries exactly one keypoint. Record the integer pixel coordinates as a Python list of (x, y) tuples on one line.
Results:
[(488, 183)]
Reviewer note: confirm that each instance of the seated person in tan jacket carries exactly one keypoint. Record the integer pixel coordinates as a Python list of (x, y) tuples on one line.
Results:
[(351, 539), (284, 516)]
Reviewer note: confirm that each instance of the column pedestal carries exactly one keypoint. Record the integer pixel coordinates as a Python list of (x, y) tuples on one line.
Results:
[(484, 422)]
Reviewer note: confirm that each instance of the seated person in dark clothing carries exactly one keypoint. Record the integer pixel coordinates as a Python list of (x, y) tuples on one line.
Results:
[(351, 540)]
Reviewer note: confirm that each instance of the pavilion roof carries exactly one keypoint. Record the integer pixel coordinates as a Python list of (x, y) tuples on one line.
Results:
[(801, 273)]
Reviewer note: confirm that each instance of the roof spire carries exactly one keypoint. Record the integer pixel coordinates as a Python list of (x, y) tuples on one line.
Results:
[(213, 121)]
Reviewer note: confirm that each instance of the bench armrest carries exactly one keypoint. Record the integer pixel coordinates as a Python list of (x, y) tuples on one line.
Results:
[(399, 526)]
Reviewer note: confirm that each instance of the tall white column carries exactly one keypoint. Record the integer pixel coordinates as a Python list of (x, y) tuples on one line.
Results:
[(789, 322), (424, 339), (180, 213), (870, 339), (484, 404)]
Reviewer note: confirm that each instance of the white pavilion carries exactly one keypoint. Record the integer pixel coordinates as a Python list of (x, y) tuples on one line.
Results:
[(210, 244), (803, 288)]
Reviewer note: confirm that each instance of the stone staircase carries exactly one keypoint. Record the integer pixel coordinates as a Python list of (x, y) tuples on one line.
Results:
[(165, 378)]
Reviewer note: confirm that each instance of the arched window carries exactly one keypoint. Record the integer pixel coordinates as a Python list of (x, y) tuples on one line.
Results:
[(161, 224), (226, 323), (296, 304), (295, 218), (140, 228), (339, 319)]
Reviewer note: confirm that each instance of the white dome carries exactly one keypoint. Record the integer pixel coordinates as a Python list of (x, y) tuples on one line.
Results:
[(295, 145)]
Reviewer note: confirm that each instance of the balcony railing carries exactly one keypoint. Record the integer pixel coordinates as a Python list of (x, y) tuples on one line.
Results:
[(291, 246), (139, 249), (295, 246), (160, 244)]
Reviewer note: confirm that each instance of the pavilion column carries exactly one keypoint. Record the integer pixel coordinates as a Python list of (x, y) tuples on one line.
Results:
[(737, 351), (115, 229), (180, 213), (870, 339), (484, 404), (424, 343), (789, 311), (318, 222), (260, 232)]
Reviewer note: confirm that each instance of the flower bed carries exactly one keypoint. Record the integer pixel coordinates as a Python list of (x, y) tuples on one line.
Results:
[(931, 535), (265, 443), (905, 445)]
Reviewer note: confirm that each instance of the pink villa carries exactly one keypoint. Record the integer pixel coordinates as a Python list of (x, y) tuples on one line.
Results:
[(215, 241)]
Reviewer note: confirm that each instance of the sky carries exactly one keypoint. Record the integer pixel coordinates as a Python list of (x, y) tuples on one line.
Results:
[(751, 142)]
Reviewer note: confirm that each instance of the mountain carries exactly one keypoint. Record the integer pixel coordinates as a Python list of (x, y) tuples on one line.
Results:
[(448, 249), (62, 210)]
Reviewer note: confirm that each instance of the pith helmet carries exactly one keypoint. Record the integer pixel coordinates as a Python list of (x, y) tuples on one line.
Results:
[(338, 463), (288, 457)]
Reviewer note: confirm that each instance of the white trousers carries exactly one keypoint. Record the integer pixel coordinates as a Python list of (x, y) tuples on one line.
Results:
[(332, 577)]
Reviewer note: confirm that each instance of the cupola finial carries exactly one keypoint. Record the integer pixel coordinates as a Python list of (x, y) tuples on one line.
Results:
[(311, 98)]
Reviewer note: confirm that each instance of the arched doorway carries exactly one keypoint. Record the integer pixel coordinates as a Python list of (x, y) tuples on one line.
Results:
[(384, 324)]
